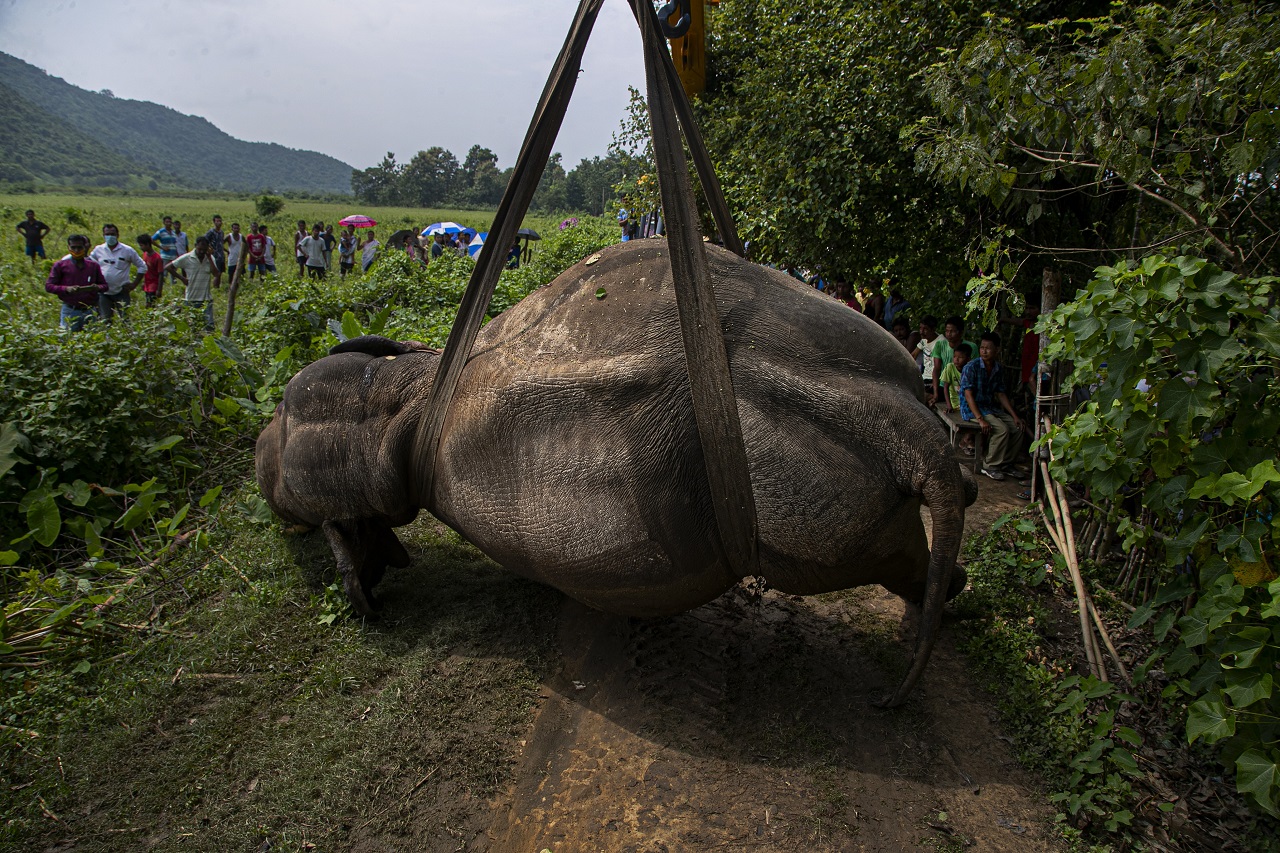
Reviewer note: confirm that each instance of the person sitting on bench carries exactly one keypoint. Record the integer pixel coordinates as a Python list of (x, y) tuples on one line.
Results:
[(950, 385), (983, 399)]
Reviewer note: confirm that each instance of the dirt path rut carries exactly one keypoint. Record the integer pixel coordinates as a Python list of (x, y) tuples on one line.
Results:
[(749, 724)]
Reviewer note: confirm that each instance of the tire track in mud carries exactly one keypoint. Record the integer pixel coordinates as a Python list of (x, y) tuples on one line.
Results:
[(748, 724)]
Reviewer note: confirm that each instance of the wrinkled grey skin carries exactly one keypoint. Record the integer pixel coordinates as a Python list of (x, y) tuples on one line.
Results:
[(570, 453)]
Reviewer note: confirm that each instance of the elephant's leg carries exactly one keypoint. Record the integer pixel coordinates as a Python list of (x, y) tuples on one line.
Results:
[(359, 560), (383, 549), (912, 588), (393, 551)]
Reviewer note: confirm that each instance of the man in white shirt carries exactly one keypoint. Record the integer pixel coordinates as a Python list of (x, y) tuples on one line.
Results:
[(197, 270), (370, 249), (269, 253), (235, 245), (314, 249), (116, 258)]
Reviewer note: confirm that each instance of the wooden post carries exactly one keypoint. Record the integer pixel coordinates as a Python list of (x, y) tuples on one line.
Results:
[(232, 290), (1050, 297)]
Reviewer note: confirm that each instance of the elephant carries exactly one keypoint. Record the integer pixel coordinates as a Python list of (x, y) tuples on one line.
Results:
[(570, 453)]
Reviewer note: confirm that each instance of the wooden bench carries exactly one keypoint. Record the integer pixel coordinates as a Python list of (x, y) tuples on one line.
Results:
[(955, 426)]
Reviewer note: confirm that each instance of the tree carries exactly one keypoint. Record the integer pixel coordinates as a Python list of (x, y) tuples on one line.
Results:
[(429, 179), (480, 182), (632, 149), (590, 185), (550, 195), (379, 184), (268, 205), (1110, 137), (804, 111)]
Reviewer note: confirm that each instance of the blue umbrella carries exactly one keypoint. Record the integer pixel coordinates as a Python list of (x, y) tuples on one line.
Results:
[(477, 243), (442, 228)]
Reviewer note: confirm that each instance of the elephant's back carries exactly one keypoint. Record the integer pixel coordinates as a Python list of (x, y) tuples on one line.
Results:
[(621, 303)]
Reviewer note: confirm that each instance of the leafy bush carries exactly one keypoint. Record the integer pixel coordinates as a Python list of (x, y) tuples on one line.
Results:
[(1065, 728), (268, 205), (1183, 429), (116, 443)]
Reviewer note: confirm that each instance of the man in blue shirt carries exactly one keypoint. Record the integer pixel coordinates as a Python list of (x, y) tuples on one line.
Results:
[(982, 398), (166, 242)]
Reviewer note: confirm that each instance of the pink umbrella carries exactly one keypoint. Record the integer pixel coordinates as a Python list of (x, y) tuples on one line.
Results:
[(357, 221)]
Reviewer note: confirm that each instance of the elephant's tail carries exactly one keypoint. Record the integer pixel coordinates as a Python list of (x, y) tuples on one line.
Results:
[(945, 493)]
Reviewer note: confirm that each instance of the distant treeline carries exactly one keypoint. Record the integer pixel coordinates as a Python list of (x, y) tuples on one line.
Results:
[(435, 178)]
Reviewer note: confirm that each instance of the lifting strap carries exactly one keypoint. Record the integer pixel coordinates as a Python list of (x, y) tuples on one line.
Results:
[(714, 405)]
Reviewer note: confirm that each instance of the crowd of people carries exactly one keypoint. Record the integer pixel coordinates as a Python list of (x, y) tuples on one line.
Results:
[(959, 376), (97, 282)]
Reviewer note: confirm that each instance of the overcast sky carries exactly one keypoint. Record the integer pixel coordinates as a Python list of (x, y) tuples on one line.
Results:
[(352, 79)]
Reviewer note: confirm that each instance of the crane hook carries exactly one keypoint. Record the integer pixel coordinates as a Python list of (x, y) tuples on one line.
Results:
[(682, 26)]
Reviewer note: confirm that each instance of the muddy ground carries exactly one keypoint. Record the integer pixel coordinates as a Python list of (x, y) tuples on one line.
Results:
[(749, 724)]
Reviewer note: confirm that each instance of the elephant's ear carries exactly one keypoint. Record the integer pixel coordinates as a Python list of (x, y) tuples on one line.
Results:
[(378, 346)]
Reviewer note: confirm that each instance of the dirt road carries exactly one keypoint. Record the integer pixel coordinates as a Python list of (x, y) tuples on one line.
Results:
[(749, 724)]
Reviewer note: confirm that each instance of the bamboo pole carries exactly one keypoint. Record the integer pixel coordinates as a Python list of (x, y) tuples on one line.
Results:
[(1106, 638), (1064, 539), (1082, 594)]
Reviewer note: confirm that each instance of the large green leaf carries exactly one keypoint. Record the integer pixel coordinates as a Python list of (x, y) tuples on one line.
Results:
[(1246, 686), (1210, 719), (1258, 775), (10, 440), (44, 519), (1182, 398)]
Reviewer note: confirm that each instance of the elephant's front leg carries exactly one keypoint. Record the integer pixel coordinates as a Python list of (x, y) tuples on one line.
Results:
[(363, 548)]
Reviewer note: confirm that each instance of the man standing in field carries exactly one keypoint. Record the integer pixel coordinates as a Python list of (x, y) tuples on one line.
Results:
[(33, 231), (269, 253), (77, 281), (369, 250), (180, 238), (313, 250), (256, 245), (197, 271), (153, 278), (215, 237), (347, 251), (116, 259), (167, 242), (300, 256), (235, 246)]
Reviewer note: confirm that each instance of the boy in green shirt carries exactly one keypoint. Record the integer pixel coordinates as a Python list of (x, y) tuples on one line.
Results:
[(950, 379), (950, 383)]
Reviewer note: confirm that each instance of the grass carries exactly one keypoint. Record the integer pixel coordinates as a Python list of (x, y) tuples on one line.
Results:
[(245, 719), (233, 701)]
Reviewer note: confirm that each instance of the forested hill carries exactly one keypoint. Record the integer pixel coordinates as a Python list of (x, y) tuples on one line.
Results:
[(37, 147), (171, 148)]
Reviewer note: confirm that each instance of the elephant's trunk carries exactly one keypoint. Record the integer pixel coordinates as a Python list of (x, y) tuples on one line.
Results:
[(944, 493)]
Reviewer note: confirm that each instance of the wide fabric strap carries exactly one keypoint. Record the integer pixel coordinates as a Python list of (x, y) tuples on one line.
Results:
[(534, 154), (715, 408), (711, 189)]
